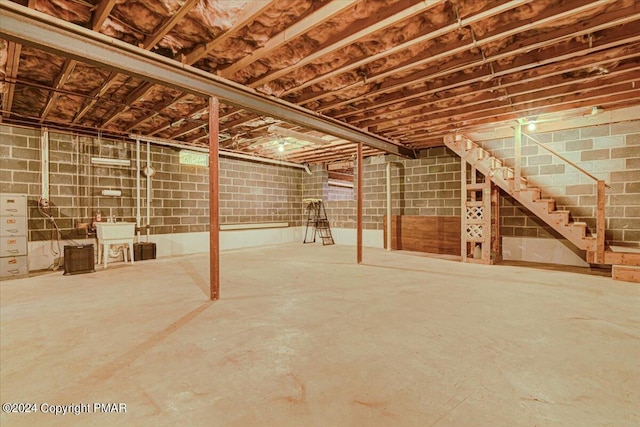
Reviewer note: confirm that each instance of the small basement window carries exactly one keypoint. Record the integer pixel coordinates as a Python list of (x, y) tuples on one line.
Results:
[(340, 185)]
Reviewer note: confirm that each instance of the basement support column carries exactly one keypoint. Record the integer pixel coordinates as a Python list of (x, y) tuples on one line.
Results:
[(214, 200), (359, 221)]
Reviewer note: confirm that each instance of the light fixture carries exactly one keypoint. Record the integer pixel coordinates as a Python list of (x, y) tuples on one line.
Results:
[(595, 110), (110, 162), (114, 193), (531, 126), (280, 145)]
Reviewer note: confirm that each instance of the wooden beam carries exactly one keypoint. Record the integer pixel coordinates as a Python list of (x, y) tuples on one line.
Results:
[(195, 112), (617, 258), (434, 114), (214, 202), (252, 11), (96, 95), (463, 207), (618, 96), (600, 219), (133, 97), (477, 91), (152, 39), (453, 25), (621, 30), (327, 11), (359, 32), (101, 14), (158, 111), (13, 63), (360, 159), (61, 79), (626, 273)]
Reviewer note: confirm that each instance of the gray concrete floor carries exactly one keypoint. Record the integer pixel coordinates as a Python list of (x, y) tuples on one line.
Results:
[(304, 337)]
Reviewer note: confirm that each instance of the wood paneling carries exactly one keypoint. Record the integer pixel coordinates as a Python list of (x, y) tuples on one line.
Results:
[(430, 234)]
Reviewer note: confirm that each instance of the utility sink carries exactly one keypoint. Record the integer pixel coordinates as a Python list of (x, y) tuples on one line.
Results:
[(115, 230), (115, 233)]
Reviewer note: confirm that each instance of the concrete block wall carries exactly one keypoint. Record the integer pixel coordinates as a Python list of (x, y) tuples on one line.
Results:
[(610, 152), (249, 192), (253, 192), (429, 185)]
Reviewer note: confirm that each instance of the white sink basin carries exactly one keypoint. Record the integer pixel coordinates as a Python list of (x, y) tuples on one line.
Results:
[(115, 230)]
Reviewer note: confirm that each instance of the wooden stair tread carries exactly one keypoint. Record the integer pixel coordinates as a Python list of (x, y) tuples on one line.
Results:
[(525, 192)]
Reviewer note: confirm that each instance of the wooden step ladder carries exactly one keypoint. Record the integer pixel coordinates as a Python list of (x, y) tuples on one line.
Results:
[(317, 219)]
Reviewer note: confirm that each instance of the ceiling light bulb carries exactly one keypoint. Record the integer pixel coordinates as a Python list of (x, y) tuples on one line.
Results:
[(532, 126), (281, 148)]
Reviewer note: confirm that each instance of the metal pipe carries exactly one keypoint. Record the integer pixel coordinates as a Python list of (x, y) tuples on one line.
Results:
[(214, 201), (222, 152), (44, 154), (23, 25), (138, 184)]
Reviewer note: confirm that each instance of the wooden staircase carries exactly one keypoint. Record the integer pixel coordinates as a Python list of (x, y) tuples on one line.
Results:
[(544, 208)]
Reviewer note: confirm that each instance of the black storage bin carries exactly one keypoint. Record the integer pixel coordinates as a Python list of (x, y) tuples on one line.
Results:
[(143, 251), (78, 259)]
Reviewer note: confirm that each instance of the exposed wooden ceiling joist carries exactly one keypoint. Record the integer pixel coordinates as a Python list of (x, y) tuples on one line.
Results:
[(325, 12), (101, 13), (408, 72), (253, 9), (13, 63), (478, 60)]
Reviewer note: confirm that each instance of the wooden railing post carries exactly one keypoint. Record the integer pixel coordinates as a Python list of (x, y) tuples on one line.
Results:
[(600, 221)]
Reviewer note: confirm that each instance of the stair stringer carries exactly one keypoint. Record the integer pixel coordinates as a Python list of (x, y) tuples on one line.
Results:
[(528, 197)]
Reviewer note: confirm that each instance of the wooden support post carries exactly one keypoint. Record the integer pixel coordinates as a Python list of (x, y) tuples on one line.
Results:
[(517, 147), (496, 243), (600, 221), (214, 200), (463, 209), (486, 226), (359, 221)]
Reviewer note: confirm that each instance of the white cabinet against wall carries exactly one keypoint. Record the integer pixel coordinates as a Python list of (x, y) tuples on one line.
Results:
[(13, 235)]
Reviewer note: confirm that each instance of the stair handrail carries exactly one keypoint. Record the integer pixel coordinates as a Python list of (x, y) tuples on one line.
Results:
[(600, 196), (554, 152)]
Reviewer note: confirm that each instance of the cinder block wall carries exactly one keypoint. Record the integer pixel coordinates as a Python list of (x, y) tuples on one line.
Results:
[(249, 192), (429, 185), (609, 152)]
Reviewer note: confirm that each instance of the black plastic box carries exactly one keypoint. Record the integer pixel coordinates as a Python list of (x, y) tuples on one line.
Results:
[(78, 259), (143, 251)]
